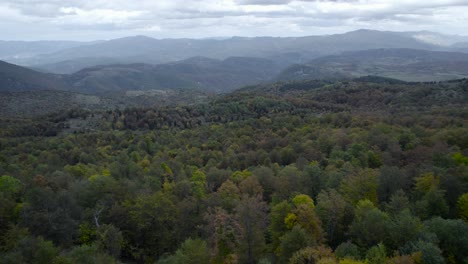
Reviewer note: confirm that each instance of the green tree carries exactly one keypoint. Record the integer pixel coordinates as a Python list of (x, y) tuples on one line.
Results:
[(359, 186), (277, 227), (303, 214), (192, 251), (453, 237), (430, 253), (199, 186), (10, 189), (110, 239), (376, 254), (152, 226), (291, 242), (403, 228), (348, 250), (251, 214), (462, 205), (332, 210), (18, 246), (369, 226), (225, 234)]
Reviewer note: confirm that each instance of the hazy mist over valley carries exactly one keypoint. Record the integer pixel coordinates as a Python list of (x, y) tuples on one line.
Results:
[(234, 131)]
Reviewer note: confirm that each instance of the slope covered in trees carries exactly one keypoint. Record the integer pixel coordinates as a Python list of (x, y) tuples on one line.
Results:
[(366, 171)]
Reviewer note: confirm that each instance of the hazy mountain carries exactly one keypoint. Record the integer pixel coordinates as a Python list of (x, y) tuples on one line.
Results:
[(403, 64), (435, 38), (194, 73), (460, 46), (141, 49), (20, 51), (75, 65), (16, 78)]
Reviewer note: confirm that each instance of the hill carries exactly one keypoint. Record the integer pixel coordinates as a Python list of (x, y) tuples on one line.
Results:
[(16, 78), (194, 73)]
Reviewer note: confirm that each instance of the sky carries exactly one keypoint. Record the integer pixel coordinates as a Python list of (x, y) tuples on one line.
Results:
[(107, 19)]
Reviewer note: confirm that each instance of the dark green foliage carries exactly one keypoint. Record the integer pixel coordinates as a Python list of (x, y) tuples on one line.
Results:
[(431, 254), (452, 235), (348, 250), (192, 251), (291, 242)]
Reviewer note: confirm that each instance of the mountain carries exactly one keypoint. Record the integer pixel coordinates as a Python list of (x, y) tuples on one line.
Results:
[(460, 46), (141, 49), (19, 51), (199, 73), (72, 66), (194, 73), (434, 38), (17, 78), (403, 64)]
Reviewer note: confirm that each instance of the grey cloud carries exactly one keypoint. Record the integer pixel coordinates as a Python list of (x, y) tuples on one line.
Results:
[(283, 2), (179, 17)]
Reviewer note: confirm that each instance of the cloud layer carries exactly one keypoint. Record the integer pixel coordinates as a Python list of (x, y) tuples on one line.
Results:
[(103, 19)]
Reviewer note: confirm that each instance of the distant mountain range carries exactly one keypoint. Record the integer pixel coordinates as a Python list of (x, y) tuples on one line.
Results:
[(69, 57), (99, 75), (213, 75), (403, 64)]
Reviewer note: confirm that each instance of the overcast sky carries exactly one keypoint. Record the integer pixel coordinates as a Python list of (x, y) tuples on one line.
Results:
[(107, 19)]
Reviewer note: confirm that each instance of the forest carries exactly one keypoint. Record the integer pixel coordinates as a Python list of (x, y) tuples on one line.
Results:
[(370, 170)]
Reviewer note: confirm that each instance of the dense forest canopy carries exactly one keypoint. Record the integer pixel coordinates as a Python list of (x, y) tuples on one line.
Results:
[(371, 170)]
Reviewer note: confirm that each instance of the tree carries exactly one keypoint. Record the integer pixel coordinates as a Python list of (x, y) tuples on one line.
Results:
[(452, 235), (430, 253), (291, 242), (51, 215), (369, 226), (228, 195), (303, 214), (462, 205), (10, 189), (311, 255), (391, 179), (332, 209), (18, 246), (432, 204), (277, 226), (199, 186), (225, 234), (192, 251), (152, 228), (87, 254), (403, 228), (347, 250), (376, 254), (360, 186), (251, 214), (398, 203), (110, 240)]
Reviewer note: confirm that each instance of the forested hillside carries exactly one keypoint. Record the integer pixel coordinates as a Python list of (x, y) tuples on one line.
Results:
[(372, 170)]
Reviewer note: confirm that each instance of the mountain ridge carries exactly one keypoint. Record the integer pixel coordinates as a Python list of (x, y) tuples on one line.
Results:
[(155, 51)]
